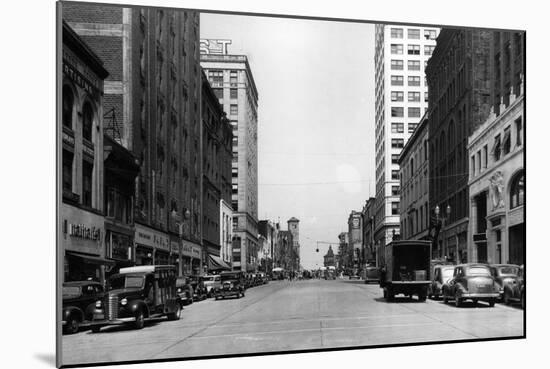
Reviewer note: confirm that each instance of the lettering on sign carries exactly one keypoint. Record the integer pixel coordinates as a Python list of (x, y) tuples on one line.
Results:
[(77, 77), (82, 231), (209, 46)]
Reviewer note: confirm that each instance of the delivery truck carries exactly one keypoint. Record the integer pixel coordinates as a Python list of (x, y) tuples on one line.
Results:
[(406, 269)]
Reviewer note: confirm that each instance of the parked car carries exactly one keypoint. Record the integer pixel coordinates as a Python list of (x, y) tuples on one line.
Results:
[(184, 290), (248, 282), (232, 284), (210, 283), (79, 304), (263, 278), (441, 276), (355, 274), (471, 282), (372, 274), (137, 294), (504, 274), (515, 291), (199, 289)]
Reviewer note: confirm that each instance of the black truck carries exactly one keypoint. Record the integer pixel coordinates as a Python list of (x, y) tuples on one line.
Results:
[(406, 269)]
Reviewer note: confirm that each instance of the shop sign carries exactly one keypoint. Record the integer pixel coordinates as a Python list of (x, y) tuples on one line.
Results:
[(174, 246), (191, 250), (152, 238), (210, 46), (84, 79), (84, 232)]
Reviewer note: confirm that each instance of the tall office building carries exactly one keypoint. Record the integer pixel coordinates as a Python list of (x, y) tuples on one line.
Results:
[(231, 79), (401, 55)]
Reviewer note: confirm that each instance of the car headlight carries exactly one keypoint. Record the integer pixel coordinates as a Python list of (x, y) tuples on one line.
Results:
[(179, 290), (123, 302), (98, 304)]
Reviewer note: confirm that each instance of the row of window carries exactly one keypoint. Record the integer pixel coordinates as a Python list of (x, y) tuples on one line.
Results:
[(412, 96), (413, 33), (397, 49), (233, 93), (398, 64), (400, 128), (411, 80), (399, 111), (216, 78)]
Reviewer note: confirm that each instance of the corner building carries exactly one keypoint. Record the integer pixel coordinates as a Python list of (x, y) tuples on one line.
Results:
[(231, 79), (401, 95)]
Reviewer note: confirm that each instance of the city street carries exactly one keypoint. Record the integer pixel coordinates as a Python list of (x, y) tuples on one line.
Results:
[(299, 315)]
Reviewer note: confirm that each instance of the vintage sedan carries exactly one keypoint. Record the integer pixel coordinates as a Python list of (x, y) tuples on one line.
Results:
[(79, 303), (504, 275), (199, 289), (441, 276), (211, 282), (184, 289), (372, 274), (471, 282), (233, 284), (515, 291)]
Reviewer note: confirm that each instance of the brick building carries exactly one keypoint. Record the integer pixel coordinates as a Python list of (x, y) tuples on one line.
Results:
[(152, 108), (369, 245)]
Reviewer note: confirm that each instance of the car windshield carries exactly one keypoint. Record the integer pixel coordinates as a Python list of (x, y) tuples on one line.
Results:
[(126, 281), (71, 290), (447, 273), (508, 270), (226, 277), (479, 271), (208, 279)]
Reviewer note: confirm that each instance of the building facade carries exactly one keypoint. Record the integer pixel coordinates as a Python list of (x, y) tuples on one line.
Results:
[(414, 185), (496, 161), (293, 225), (226, 231), (459, 78), (401, 55), (231, 79), (344, 255), (355, 234), (369, 245), (152, 108), (268, 232), (82, 206), (329, 259)]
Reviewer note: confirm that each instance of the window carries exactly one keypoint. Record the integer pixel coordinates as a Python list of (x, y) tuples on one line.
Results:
[(396, 49), (67, 171), (234, 125), (485, 157), (519, 132), (478, 160), (234, 188), (395, 190), (506, 142), (395, 208), (413, 64), (413, 49), (397, 112), (394, 158), (397, 127), (412, 127), (218, 92), (473, 165), (235, 141), (413, 96), (233, 93), (428, 49), (87, 121), (517, 191), (426, 96), (397, 64), (413, 80), (233, 109), (414, 112), (397, 96), (68, 104), (395, 175), (397, 143), (430, 34), (496, 148), (87, 169), (397, 80), (413, 33), (397, 33), (216, 78), (233, 78)]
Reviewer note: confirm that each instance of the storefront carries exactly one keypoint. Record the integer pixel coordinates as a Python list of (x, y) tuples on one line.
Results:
[(152, 246), (191, 258), (119, 243), (174, 252), (82, 235)]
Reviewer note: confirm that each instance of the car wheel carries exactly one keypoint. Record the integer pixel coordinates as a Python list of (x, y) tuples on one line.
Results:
[(72, 325), (96, 328), (385, 293), (175, 315), (445, 299), (507, 297), (523, 301), (491, 302), (140, 320), (216, 297), (475, 301), (243, 293), (390, 295), (458, 301), (422, 297)]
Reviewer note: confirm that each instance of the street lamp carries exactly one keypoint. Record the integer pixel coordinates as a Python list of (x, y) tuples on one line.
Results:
[(440, 225), (186, 215)]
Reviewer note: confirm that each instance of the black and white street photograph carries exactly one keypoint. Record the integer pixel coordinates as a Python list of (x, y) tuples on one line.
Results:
[(237, 184)]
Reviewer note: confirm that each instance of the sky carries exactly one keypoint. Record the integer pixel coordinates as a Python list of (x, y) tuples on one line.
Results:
[(315, 82)]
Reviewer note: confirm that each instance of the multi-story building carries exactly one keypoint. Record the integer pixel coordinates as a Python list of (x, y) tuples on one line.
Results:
[(152, 107), (496, 170), (401, 54), (231, 78), (329, 259), (414, 185), (82, 204), (293, 225), (369, 245), (268, 232), (226, 231), (217, 137), (355, 232), (284, 256), (343, 250), (459, 79)]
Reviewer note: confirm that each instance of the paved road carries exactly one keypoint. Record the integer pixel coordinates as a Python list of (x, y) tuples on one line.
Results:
[(283, 315)]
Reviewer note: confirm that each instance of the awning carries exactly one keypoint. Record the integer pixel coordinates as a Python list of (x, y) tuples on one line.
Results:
[(91, 259), (216, 263), (277, 269)]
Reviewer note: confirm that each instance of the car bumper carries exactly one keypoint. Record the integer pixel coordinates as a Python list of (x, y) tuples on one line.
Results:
[(480, 295), (224, 293)]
